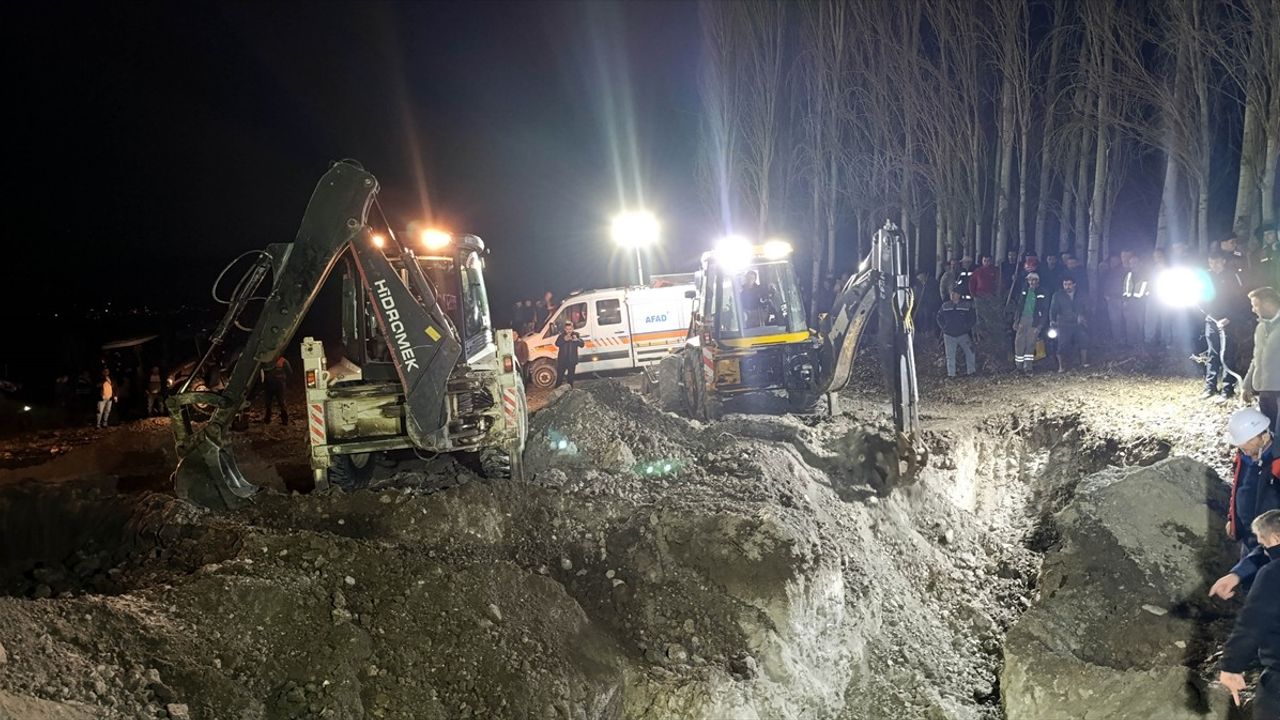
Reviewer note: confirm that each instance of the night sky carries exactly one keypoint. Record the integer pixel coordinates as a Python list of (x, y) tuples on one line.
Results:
[(154, 142)]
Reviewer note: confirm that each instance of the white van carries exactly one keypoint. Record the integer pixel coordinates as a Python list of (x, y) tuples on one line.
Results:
[(622, 328)]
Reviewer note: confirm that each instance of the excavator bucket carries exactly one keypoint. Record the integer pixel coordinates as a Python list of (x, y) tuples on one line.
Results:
[(208, 476)]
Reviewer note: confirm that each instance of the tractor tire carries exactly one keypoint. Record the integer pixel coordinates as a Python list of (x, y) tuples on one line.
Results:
[(501, 464), (351, 472), (543, 374)]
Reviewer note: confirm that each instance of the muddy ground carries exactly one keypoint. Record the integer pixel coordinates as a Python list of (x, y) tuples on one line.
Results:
[(651, 567)]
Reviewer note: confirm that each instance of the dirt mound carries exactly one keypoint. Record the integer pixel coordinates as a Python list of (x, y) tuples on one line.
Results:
[(653, 567)]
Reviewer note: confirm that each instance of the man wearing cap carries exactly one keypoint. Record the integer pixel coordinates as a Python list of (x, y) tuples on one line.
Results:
[(1030, 311), (1255, 640), (1254, 490)]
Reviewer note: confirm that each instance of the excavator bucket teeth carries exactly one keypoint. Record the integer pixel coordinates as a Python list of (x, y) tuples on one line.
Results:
[(208, 477)]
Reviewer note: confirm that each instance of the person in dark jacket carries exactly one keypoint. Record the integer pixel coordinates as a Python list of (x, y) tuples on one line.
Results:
[(274, 381), (1008, 271), (567, 344), (1255, 640), (928, 301), (1030, 314), (957, 318), (1226, 316), (1067, 321), (1254, 491)]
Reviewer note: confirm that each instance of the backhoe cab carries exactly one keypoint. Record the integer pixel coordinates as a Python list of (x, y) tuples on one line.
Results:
[(748, 336), (749, 339), (423, 371)]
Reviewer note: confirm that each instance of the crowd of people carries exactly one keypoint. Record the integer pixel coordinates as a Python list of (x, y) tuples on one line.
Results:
[(529, 315), (1034, 308)]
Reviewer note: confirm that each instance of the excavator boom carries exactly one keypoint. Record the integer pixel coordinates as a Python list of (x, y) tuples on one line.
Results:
[(883, 276), (423, 344)]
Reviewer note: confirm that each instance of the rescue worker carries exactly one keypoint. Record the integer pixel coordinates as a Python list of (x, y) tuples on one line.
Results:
[(1254, 490), (1262, 380), (154, 388), (957, 318), (274, 381), (106, 397), (1030, 312), (1135, 299), (1255, 640), (964, 278), (1067, 320), (567, 344), (1221, 311)]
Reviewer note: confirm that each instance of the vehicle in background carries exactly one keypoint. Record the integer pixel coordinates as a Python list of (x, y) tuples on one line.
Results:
[(623, 328)]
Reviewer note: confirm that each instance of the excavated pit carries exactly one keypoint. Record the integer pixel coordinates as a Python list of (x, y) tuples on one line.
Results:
[(653, 567)]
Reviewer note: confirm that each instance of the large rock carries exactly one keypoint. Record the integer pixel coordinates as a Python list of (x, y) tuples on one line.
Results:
[(1123, 620)]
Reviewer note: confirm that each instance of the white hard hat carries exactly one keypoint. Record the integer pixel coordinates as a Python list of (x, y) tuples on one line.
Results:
[(1245, 424)]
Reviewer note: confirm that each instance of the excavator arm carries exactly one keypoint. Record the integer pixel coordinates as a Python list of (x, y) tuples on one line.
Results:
[(422, 343), (883, 276)]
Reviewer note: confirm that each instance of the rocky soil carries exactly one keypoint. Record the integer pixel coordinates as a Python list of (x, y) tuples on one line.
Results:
[(652, 567)]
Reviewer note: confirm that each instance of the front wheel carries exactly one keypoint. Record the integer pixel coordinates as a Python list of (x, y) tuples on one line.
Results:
[(543, 374)]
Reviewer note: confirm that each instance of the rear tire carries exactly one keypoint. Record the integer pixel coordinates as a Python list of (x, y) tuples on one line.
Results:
[(501, 464), (543, 374), (351, 472)]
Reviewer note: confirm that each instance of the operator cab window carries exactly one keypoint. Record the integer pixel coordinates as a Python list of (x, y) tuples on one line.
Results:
[(575, 313), (609, 312)]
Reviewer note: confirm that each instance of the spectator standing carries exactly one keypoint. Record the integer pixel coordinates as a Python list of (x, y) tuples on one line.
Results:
[(1262, 380), (1067, 317), (1030, 313), (1237, 261), (567, 344), (274, 382), (106, 396), (928, 301), (1265, 259), (1222, 321), (1008, 271), (545, 308), (1158, 332), (947, 282), (154, 388), (1255, 640), (957, 319), (1050, 272), (985, 280)]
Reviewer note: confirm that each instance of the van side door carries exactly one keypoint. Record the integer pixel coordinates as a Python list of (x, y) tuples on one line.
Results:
[(611, 332)]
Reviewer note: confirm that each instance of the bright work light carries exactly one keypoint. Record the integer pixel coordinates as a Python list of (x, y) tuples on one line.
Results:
[(776, 249), (733, 253), (1183, 287), (436, 239)]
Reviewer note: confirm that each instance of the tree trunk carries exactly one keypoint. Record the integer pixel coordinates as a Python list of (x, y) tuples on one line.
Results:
[(1247, 184), (1047, 129), (1081, 230), (1006, 133), (1166, 230)]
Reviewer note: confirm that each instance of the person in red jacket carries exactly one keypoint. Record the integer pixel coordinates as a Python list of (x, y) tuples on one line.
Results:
[(985, 281)]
